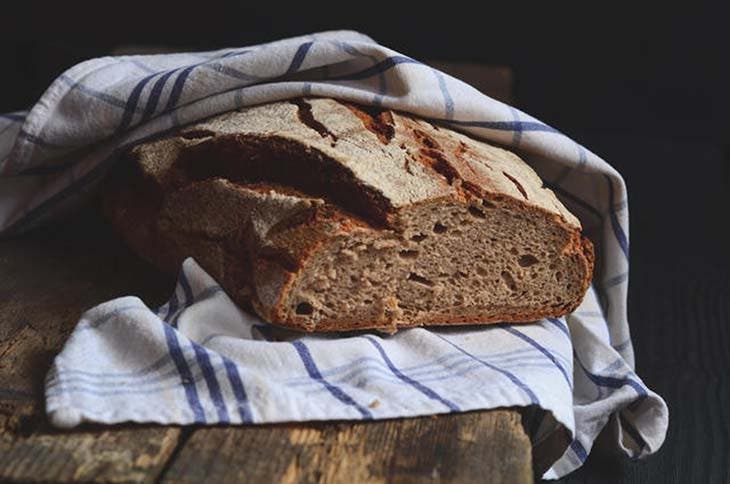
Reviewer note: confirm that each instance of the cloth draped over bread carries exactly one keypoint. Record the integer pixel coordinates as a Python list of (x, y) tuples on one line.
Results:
[(200, 359)]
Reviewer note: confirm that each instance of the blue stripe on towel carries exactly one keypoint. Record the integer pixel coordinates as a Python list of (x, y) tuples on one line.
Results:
[(131, 104), (171, 306), (234, 378), (202, 357), (504, 125), (541, 349), (336, 392), (560, 325), (575, 199), (187, 290), (37, 140), (530, 394), (95, 93), (448, 100), (618, 232), (154, 96), (379, 68), (418, 386), (579, 450), (177, 88), (298, 58), (186, 377), (201, 354), (14, 116), (632, 431), (613, 382)]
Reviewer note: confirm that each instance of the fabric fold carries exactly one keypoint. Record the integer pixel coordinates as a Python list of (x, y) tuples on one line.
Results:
[(199, 359)]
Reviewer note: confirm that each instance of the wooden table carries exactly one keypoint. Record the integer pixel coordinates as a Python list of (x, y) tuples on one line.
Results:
[(49, 277)]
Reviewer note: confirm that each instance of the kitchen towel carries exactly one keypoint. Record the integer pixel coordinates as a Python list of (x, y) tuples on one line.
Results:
[(200, 359)]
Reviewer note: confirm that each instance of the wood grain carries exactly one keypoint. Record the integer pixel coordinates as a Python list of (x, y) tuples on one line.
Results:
[(48, 279), (115, 455), (472, 447)]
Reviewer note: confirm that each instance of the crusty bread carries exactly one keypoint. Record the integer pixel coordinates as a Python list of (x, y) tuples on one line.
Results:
[(322, 216)]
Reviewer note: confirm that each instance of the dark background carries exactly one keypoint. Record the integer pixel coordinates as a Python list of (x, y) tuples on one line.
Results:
[(646, 89)]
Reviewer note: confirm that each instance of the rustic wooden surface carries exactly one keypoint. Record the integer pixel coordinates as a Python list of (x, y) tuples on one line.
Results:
[(471, 447), (49, 277), (46, 281)]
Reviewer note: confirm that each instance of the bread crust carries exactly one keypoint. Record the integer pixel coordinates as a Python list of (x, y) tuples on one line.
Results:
[(253, 195)]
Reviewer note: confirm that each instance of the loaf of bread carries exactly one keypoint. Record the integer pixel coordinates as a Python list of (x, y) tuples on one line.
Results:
[(322, 215)]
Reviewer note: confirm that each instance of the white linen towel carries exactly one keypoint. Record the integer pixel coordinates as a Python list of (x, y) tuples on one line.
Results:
[(200, 359)]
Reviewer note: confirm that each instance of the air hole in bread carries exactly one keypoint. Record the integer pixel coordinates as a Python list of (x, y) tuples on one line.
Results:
[(558, 276), (440, 228), (419, 237), (527, 260), (420, 279), (476, 212), (304, 308), (509, 280), (408, 254)]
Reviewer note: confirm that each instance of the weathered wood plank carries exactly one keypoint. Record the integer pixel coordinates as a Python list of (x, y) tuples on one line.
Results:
[(472, 447), (118, 455), (47, 280)]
